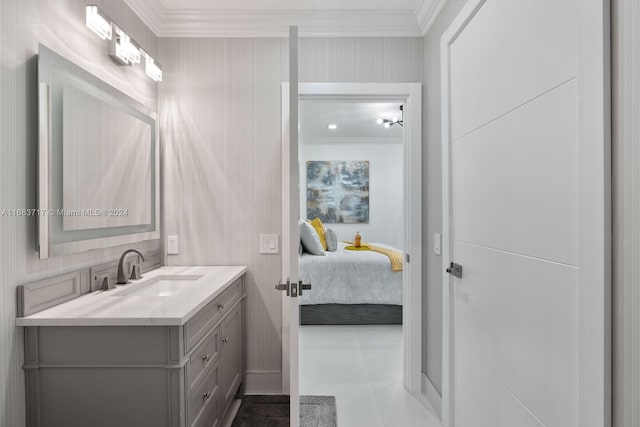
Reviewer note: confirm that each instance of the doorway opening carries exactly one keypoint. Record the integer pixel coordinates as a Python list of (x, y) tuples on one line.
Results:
[(351, 184), (336, 325)]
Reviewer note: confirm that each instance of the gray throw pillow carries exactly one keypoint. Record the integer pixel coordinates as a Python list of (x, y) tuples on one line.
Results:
[(310, 239), (332, 240)]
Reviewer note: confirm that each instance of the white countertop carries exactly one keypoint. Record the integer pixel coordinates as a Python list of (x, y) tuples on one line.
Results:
[(108, 308)]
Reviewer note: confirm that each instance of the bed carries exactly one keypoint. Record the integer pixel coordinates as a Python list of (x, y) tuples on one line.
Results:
[(350, 287)]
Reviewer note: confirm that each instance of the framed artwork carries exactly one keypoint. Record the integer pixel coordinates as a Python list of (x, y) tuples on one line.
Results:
[(338, 191)]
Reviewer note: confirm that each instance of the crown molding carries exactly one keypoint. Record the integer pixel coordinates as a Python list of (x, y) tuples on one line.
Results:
[(149, 11), (270, 23), (426, 13)]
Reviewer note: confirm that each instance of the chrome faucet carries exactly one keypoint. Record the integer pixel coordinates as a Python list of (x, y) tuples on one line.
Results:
[(122, 279)]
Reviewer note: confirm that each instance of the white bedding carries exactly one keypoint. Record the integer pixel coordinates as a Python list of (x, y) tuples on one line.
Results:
[(350, 277)]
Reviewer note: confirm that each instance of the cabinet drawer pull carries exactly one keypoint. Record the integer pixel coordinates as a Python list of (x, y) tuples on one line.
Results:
[(206, 357), (220, 306), (206, 395), (225, 340)]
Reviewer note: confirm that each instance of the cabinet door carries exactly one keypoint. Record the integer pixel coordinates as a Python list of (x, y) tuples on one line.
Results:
[(231, 347)]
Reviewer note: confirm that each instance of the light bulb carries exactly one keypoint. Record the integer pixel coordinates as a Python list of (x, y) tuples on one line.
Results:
[(395, 120), (387, 125), (98, 22), (153, 69), (333, 126), (379, 121)]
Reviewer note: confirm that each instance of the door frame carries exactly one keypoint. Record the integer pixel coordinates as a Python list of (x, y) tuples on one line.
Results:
[(594, 230), (411, 95)]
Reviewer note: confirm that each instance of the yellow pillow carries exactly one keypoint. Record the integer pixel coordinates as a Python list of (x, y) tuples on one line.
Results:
[(317, 225)]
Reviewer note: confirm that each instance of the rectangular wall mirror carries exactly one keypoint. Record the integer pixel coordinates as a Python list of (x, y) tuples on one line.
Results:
[(98, 162)]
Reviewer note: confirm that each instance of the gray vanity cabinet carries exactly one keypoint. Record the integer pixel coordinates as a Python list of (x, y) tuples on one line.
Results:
[(138, 376)]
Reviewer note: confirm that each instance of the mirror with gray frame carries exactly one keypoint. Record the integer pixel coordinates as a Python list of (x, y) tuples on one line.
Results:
[(98, 162)]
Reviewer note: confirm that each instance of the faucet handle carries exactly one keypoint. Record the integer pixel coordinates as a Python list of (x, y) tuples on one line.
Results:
[(136, 274), (106, 284)]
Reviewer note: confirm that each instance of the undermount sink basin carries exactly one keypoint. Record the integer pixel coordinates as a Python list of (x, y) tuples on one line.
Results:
[(161, 286)]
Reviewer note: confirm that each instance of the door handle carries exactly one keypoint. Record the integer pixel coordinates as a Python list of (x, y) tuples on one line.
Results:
[(455, 270), (293, 289), (303, 286), (284, 287)]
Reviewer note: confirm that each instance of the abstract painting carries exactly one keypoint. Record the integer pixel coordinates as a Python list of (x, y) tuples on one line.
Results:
[(338, 191)]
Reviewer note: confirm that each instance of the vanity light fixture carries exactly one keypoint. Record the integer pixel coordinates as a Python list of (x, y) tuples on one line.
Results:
[(98, 22), (387, 123), (123, 49), (152, 68)]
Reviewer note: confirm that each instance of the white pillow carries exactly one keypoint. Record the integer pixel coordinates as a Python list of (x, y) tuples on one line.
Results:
[(332, 240), (310, 239)]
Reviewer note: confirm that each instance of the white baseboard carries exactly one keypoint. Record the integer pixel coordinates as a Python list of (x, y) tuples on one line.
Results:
[(432, 395), (227, 421), (263, 382)]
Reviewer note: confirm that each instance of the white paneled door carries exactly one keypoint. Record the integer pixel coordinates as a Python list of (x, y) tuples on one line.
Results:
[(525, 155)]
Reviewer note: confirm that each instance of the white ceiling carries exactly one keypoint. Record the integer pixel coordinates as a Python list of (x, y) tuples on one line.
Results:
[(356, 122), (272, 18)]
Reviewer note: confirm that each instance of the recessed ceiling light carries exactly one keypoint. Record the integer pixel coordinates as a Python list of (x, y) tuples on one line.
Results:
[(333, 126)]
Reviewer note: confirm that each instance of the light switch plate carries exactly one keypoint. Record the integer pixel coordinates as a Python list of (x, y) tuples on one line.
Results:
[(269, 243), (436, 243), (172, 245)]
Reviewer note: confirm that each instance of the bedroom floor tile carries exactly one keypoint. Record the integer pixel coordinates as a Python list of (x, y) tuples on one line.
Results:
[(333, 366), (323, 337), (362, 367), (383, 365), (380, 336)]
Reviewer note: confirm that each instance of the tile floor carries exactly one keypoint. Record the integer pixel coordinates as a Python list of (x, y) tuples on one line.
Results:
[(362, 367)]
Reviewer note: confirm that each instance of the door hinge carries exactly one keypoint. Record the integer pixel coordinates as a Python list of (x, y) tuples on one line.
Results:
[(455, 270), (408, 258)]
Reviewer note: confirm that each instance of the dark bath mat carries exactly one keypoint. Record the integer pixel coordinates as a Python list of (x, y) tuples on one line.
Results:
[(273, 411)]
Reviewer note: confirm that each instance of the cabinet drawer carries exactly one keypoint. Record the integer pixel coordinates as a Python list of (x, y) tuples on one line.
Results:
[(200, 324), (204, 397), (204, 355)]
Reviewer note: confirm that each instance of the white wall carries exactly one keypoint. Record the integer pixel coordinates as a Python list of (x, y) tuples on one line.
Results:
[(385, 186), (60, 26)]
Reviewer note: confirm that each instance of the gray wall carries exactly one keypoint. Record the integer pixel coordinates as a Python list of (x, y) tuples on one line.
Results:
[(626, 212), (432, 175), (220, 109), (60, 26)]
